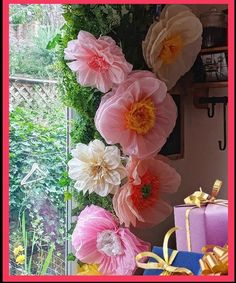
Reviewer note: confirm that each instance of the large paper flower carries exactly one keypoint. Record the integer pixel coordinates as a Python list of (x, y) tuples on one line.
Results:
[(98, 62), (172, 44), (139, 202), (97, 239), (138, 114), (96, 168)]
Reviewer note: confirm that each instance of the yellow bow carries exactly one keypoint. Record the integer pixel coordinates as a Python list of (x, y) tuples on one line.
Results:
[(214, 262), (199, 198), (164, 264)]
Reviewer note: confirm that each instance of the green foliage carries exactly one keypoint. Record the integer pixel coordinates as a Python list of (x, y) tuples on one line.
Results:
[(37, 135), (83, 131), (28, 253), (47, 260), (67, 196), (132, 31), (71, 257), (32, 58), (83, 200), (52, 43), (22, 14)]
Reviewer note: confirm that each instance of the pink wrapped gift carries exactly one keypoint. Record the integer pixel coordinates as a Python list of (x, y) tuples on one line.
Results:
[(202, 220)]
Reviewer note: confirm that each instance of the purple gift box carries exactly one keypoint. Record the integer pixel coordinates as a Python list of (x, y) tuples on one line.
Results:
[(208, 225)]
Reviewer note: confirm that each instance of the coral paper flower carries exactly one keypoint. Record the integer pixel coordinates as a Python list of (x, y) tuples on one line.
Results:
[(139, 202), (98, 62), (172, 44), (88, 269), (97, 239), (138, 114), (96, 168)]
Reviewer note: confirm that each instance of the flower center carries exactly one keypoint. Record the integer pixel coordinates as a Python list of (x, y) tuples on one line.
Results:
[(109, 243), (146, 190), (146, 193), (171, 49), (141, 116), (96, 170), (97, 63)]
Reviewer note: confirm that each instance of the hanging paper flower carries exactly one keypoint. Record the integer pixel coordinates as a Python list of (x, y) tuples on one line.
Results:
[(138, 114), (88, 269), (98, 62), (139, 202), (96, 168), (97, 239), (172, 44)]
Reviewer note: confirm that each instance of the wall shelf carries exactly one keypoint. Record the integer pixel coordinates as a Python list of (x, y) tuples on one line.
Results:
[(214, 49), (201, 89), (210, 85), (202, 100)]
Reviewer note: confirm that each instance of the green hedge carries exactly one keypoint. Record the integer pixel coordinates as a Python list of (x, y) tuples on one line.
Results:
[(38, 135)]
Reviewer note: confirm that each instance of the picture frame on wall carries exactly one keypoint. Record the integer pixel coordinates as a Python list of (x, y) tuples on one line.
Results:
[(174, 146)]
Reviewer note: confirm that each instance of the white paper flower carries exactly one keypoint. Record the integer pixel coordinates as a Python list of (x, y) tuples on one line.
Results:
[(96, 168), (172, 44)]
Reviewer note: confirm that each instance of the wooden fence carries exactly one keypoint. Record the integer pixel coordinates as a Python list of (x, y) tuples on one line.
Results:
[(32, 92)]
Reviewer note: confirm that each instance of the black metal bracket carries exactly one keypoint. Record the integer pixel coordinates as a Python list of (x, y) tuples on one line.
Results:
[(211, 112)]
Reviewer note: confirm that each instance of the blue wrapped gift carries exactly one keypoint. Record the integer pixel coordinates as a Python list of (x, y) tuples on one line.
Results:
[(165, 261), (184, 259)]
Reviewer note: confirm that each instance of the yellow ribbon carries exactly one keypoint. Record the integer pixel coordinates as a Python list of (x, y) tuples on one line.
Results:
[(196, 200), (164, 264), (214, 262), (199, 198)]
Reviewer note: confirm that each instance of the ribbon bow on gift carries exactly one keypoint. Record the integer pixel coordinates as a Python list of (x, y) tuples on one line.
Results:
[(214, 262), (164, 264), (199, 198)]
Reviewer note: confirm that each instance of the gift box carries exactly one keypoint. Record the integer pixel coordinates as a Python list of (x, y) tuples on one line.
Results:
[(201, 224), (164, 261), (189, 260)]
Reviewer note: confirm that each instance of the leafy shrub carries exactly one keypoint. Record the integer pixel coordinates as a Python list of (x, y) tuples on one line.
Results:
[(38, 135), (22, 14), (31, 57)]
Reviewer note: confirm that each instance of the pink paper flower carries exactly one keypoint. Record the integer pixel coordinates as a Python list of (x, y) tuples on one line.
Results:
[(139, 202), (98, 62), (138, 114), (98, 239)]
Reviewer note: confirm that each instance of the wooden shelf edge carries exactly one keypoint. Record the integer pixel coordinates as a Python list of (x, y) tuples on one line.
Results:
[(210, 84), (214, 49)]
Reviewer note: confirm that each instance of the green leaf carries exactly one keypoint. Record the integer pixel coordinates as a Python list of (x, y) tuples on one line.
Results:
[(52, 43), (75, 211), (71, 257), (67, 196), (47, 260), (70, 231)]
